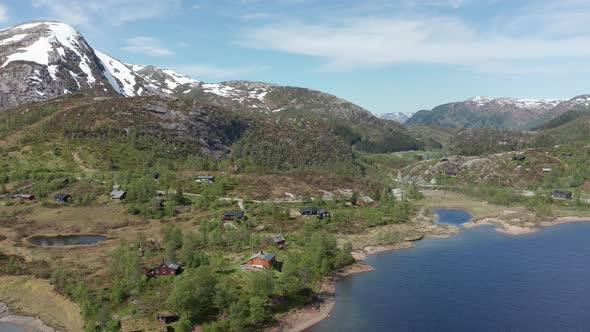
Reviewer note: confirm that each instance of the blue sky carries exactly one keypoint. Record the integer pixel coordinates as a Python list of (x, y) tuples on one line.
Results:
[(387, 56)]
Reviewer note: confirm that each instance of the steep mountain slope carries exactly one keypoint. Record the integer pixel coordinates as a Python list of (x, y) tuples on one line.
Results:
[(397, 117), (43, 60), (498, 113), (433, 136), (565, 118), (136, 131)]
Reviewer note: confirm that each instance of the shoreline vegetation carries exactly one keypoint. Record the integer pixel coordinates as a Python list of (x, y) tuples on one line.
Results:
[(525, 228), (29, 323)]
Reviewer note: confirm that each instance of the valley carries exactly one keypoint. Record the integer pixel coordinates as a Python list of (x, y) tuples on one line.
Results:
[(138, 198)]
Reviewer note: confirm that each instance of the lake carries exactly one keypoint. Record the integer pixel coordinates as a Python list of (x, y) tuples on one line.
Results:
[(478, 280), (65, 240), (7, 327)]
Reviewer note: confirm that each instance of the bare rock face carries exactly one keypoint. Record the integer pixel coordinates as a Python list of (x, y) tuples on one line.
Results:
[(45, 59)]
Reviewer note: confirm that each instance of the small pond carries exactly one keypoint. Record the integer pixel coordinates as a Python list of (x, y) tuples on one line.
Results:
[(451, 217), (65, 240)]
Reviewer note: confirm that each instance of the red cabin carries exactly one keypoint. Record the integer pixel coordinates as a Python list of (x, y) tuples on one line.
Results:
[(167, 268), (262, 260)]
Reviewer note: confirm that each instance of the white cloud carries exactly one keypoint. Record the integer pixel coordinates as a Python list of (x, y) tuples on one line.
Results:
[(377, 42), (147, 45), (3, 13), (207, 71), (436, 3), (98, 11), (255, 16)]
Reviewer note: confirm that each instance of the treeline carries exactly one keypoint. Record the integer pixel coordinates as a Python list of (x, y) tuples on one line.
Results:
[(391, 141)]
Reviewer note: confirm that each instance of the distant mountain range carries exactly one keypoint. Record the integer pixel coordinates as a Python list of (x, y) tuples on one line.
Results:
[(397, 116), (498, 113)]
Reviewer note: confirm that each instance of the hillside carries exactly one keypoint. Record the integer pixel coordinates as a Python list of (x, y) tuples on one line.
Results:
[(500, 170), (563, 119), (44, 60), (130, 133), (498, 113), (577, 129)]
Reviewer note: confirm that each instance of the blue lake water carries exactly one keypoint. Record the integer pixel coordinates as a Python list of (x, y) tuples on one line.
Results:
[(478, 280), (6, 327), (65, 240)]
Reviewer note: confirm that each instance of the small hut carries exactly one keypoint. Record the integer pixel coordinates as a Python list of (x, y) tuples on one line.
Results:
[(233, 215), (62, 198), (560, 194), (278, 241)]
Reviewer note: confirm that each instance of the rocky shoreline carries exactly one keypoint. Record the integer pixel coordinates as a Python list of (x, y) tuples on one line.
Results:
[(304, 318), (525, 228), (31, 324)]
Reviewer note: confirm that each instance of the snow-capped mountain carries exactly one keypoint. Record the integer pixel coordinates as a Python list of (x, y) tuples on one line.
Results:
[(396, 116), (482, 103), (41, 60), (499, 113), (46, 59)]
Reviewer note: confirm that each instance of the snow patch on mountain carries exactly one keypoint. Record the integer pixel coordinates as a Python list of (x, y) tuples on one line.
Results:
[(121, 77), (175, 79), (37, 52), (54, 41), (481, 101), (13, 39), (219, 89)]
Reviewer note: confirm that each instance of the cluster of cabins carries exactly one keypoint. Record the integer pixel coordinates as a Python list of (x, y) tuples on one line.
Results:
[(314, 211)]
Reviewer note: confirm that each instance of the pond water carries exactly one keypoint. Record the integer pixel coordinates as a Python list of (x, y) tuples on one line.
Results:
[(451, 217), (478, 280), (7, 327), (65, 240)]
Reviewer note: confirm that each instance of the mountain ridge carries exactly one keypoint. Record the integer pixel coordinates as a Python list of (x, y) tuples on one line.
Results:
[(498, 112), (44, 45), (43, 60)]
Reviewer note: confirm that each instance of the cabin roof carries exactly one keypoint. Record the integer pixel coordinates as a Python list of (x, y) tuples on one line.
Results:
[(309, 209), (234, 213), (275, 239), (118, 193), (267, 256), (171, 265)]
